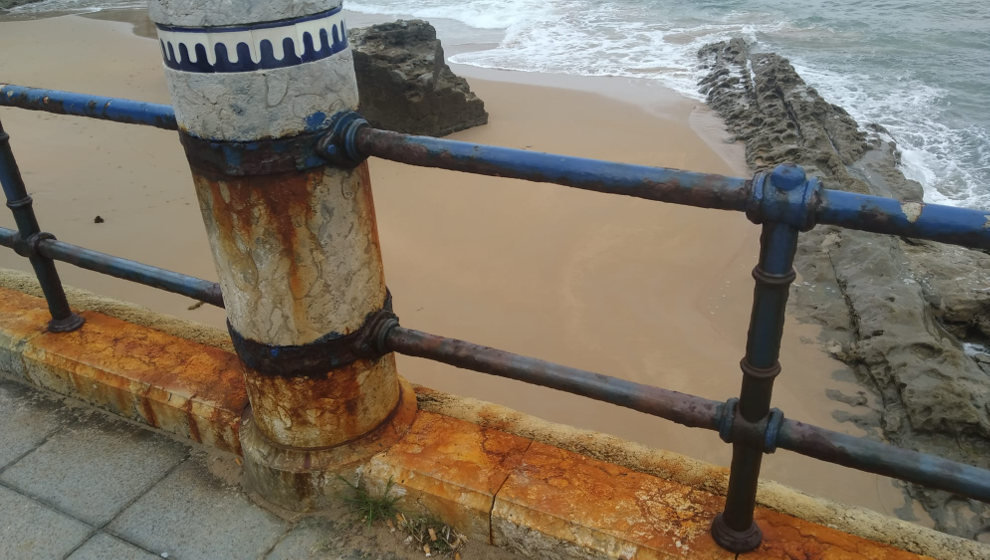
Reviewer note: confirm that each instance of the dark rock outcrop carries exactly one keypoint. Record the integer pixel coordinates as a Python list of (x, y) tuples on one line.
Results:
[(406, 86), (898, 311)]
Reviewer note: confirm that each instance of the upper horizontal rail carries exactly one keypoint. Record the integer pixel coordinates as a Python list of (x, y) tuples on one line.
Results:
[(761, 202), (641, 181), (85, 105), (803, 206)]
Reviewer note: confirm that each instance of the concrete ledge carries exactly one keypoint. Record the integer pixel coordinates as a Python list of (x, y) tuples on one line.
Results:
[(182, 387), (501, 477), (547, 502), (449, 468)]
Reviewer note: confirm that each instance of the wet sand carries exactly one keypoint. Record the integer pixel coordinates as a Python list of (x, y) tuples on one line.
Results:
[(640, 290)]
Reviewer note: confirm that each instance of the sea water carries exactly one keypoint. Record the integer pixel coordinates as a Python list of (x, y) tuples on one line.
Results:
[(918, 68)]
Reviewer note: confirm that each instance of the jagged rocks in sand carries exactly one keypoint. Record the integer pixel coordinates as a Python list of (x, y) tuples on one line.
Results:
[(899, 312), (406, 86)]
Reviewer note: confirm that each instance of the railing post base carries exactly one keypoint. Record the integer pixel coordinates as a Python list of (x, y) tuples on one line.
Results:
[(66, 324), (305, 480), (733, 540)]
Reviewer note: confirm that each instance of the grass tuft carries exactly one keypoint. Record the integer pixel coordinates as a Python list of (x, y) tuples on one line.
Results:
[(427, 533), (370, 508)]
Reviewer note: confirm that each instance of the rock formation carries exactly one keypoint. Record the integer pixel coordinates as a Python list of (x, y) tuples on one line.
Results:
[(406, 86), (908, 316)]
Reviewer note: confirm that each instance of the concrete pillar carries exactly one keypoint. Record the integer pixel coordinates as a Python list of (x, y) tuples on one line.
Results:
[(254, 85)]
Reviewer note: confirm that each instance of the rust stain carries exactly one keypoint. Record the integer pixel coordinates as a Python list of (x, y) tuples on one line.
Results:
[(148, 412), (451, 449), (452, 468), (611, 508), (280, 203), (787, 537), (318, 412), (177, 385), (194, 432), (22, 316)]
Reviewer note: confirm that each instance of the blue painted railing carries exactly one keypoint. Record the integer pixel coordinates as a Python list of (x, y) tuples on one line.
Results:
[(784, 201)]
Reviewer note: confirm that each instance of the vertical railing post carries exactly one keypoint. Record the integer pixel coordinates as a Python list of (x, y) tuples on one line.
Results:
[(734, 528), (253, 85), (20, 203)]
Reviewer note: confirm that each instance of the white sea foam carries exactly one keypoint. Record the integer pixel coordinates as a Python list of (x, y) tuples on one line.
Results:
[(78, 6), (659, 40), (480, 14)]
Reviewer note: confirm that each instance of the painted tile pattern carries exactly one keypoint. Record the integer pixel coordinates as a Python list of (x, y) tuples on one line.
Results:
[(259, 46)]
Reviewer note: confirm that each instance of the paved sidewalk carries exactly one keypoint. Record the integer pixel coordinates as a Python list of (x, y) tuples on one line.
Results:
[(80, 484)]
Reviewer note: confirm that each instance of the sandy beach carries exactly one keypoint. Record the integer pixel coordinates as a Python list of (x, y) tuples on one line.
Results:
[(649, 292)]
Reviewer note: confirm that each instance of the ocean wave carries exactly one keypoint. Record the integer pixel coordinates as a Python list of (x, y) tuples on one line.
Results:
[(77, 6)]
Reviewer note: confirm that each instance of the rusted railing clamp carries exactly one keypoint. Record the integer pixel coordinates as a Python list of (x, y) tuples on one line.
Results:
[(329, 352), (769, 425), (339, 145), (259, 157), (785, 195)]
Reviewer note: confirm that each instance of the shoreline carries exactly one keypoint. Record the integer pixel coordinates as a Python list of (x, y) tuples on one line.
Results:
[(600, 282)]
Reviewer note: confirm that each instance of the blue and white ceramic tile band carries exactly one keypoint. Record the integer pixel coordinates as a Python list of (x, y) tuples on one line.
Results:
[(261, 46)]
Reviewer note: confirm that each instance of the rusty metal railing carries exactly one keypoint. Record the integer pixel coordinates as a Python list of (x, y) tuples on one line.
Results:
[(784, 201)]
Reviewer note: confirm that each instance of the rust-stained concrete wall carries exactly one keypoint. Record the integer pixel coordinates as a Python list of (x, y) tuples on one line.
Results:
[(547, 490)]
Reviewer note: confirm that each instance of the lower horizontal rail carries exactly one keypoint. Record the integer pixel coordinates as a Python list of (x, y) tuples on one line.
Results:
[(698, 412), (196, 288), (689, 410), (872, 456)]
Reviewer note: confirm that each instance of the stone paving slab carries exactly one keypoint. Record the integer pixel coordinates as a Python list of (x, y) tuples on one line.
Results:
[(28, 419), (190, 514), (30, 530), (158, 496), (102, 546), (95, 467)]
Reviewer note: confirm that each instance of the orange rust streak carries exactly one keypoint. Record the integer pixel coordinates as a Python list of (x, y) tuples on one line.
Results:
[(615, 508), (22, 316), (139, 372), (453, 468), (280, 203), (323, 411)]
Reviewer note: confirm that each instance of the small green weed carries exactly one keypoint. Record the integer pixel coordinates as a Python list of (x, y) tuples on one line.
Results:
[(429, 534), (370, 508)]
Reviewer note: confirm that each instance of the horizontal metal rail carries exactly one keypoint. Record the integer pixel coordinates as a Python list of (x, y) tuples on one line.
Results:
[(698, 412), (84, 105), (652, 183), (688, 410), (947, 224), (177, 283)]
